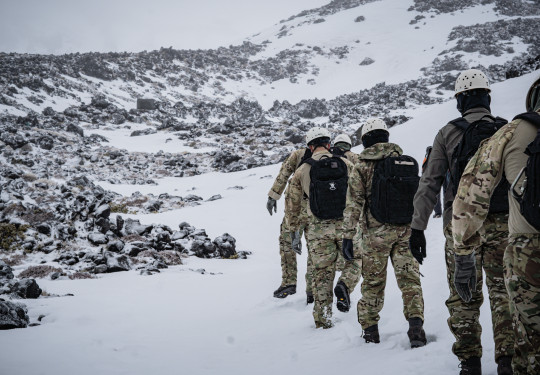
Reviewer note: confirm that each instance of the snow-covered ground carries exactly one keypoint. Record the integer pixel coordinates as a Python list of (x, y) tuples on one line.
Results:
[(225, 320)]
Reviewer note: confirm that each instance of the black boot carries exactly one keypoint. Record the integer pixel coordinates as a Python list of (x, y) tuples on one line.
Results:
[(342, 294), (471, 366), (416, 333), (371, 334), (504, 365), (284, 291), (309, 298)]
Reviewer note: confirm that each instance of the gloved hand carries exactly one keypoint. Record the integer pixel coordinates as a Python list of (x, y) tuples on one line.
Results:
[(271, 203), (296, 242), (347, 249), (465, 275), (417, 244)]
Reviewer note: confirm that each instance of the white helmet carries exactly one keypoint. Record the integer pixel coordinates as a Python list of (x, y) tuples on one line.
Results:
[(315, 133), (373, 124), (343, 138), (471, 79)]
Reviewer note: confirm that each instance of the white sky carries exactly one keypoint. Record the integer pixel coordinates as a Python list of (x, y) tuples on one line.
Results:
[(64, 26)]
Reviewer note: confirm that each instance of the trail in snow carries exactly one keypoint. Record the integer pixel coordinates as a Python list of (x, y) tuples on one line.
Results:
[(182, 321)]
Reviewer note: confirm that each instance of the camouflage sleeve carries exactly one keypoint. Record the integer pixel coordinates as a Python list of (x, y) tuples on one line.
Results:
[(287, 169), (293, 203), (479, 180), (355, 203)]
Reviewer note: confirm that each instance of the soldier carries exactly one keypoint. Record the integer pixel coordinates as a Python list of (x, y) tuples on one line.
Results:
[(323, 179), (502, 158), (288, 256), (377, 241), (350, 270), (473, 102), (342, 146), (437, 211)]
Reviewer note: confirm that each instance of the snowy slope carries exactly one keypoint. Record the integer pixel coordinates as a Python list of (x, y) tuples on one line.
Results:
[(226, 321)]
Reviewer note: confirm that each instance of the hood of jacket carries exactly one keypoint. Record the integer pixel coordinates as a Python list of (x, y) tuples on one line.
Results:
[(380, 151)]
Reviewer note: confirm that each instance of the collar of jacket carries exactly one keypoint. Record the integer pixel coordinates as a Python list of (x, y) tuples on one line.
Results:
[(380, 151)]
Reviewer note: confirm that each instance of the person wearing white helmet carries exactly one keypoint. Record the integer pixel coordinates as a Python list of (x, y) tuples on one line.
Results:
[(323, 178), (342, 146), (503, 158), (287, 254), (453, 146), (378, 229)]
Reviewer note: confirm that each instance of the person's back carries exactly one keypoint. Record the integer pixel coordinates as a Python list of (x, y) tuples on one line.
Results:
[(503, 157), (473, 102), (377, 241)]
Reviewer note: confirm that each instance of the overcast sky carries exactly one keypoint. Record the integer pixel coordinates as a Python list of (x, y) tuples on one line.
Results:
[(63, 26)]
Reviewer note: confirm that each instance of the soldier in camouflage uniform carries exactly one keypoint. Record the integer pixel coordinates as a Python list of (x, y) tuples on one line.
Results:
[(288, 256), (350, 270), (503, 157), (377, 242), (323, 236), (472, 94)]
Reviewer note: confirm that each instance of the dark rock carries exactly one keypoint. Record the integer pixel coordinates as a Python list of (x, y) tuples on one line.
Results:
[(96, 238), (46, 142), (72, 128), (44, 229), (5, 271), (101, 268), (214, 198), (103, 224), (119, 223), (116, 263), (116, 246), (49, 112), (13, 315), (192, 198), (27, 288), (135, 227), (225, 245), (146, 104), (103, 211)]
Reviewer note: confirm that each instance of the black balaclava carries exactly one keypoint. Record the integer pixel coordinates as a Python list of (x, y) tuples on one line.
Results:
[(473, 99), (375, 136)]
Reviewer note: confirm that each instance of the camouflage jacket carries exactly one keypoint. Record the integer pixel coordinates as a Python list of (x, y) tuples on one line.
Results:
[(352, 157), (500, 156), (359, 192), (289, 166), (299, 188)]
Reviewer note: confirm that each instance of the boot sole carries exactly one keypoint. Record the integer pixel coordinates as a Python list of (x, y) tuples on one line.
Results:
[(283, 295), (342, 304)]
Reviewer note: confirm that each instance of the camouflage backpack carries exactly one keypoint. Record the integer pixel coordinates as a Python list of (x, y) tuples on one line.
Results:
[(529, 197)]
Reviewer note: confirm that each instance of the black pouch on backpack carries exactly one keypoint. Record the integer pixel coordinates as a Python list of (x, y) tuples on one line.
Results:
[(529, 198), (395, 181), (473, 134), (328, 187)]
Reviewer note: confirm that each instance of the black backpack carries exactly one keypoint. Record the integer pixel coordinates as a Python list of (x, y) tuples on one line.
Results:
[(473, 134), (395, 181), (529, 198), (328, 187)]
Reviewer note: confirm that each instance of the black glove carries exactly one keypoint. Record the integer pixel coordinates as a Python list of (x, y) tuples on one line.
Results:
[(417, 245), (465, 276), (271, 204), (347, 249), (296, 242)]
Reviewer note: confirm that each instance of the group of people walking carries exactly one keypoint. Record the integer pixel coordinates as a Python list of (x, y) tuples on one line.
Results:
[(356, 211)]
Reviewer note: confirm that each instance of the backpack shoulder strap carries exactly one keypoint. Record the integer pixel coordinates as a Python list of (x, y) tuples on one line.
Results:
[(532, 117), (310, 161), (460, 122)]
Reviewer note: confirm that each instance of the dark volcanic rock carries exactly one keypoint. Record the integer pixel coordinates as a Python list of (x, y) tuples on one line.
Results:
[(13, 315), (72, 128), (225, 245)]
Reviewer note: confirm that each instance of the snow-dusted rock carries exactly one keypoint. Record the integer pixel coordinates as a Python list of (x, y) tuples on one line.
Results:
[(96, 238), (13, 315)]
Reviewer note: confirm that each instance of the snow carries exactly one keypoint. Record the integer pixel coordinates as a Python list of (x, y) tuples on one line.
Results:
[(225, 320)]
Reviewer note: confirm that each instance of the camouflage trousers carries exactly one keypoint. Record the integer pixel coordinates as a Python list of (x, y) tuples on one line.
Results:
[(522, 261), (288, 259), (463, 320), (351, 270), (377, 245), (324, 238)]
